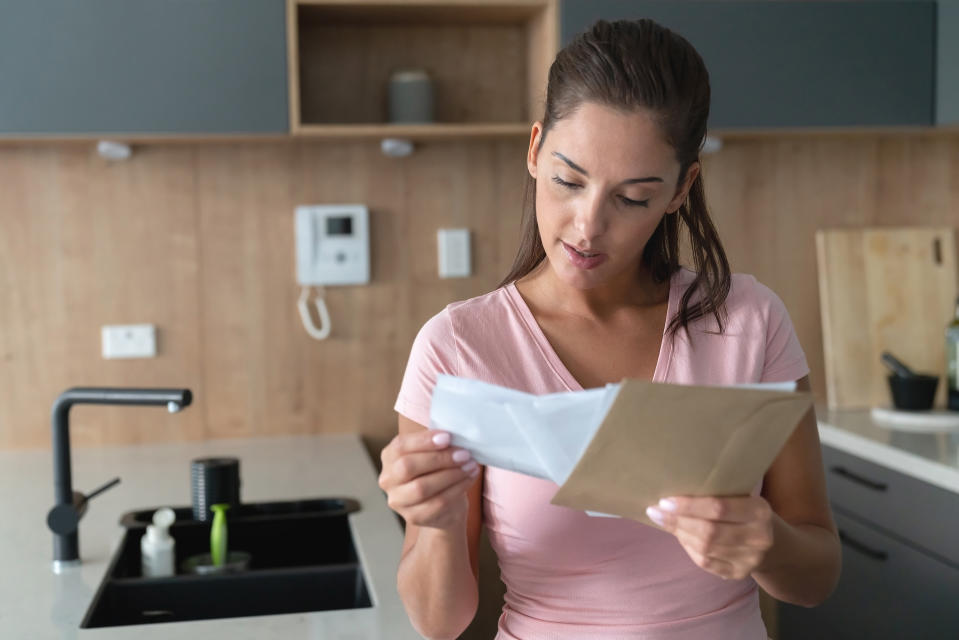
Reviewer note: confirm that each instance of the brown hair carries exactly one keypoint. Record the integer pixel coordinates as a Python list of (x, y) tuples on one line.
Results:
[(627, 65)]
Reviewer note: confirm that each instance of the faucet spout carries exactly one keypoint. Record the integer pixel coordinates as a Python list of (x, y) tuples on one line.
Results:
[(66, 547)]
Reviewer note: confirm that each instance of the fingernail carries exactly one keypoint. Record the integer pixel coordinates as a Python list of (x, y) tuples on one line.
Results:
[(441, 439), (667, 505), (470, 466), (461, 456), (655, 515)]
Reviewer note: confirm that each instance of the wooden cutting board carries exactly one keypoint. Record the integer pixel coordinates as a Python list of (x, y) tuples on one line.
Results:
[(884, 289)]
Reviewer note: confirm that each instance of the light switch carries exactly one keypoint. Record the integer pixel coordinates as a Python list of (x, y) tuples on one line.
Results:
[(453, 247), (128, 341)]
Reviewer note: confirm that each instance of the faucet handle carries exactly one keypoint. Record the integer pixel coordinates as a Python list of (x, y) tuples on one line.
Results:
[(107, 485), (64, 519)]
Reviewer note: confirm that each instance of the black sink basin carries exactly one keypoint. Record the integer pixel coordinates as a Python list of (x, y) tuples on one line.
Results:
[(302, 558)]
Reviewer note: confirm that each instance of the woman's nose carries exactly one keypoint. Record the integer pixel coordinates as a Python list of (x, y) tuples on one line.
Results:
[(590, 219)]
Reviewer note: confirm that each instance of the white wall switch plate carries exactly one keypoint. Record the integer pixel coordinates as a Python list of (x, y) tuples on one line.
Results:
[(453, 247), (128, 341)]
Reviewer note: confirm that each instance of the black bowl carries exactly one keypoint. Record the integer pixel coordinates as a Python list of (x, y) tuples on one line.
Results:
[(914, 393)]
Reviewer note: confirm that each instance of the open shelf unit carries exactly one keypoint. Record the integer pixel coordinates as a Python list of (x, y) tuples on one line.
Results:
[(488, 62)]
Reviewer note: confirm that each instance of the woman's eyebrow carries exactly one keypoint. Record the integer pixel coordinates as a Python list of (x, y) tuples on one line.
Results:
[(576, 167)]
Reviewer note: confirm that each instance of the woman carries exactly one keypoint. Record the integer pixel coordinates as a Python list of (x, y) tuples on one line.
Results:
[(595, 295)]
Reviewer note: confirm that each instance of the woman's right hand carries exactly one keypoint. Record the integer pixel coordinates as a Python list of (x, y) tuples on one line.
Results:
[(426, 480)]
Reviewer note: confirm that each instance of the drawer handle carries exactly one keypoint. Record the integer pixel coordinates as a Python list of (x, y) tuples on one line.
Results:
[(866, 482), (864, 549)]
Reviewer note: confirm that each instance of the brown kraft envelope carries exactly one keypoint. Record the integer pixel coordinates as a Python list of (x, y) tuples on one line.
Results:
[(662, 440)]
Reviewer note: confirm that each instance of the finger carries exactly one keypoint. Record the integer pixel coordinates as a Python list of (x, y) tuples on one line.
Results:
[(424, 440), (745, 558), (716, 566), (720, 534), (412, 465), (426, 486), (430, 509), (719, 508)]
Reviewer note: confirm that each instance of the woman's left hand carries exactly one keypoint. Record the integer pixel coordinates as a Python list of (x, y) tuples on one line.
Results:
[(728, 537)]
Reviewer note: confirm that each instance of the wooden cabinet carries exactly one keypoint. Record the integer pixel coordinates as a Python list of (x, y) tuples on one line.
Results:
[(488, 63), (900, 571), (799, 64), (142, 67)]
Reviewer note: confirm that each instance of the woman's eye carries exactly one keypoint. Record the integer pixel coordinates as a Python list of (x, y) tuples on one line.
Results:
[(568, 185), (634, 203), (627, 201)]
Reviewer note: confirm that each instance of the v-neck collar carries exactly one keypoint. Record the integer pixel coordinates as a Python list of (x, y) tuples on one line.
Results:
[(552, 358)]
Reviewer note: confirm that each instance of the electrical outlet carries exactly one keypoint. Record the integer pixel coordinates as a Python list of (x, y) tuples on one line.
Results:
[(128, 341)]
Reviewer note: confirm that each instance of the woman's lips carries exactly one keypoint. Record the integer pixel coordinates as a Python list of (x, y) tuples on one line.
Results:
[(580, 261)]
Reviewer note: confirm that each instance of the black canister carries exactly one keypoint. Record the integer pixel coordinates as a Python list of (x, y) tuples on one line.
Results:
[(212, 481)]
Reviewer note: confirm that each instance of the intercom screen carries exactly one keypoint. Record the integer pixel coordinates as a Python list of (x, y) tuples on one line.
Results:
[(339, 226)]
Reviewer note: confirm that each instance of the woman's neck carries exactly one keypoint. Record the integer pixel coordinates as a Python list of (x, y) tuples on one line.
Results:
[(623, 293)]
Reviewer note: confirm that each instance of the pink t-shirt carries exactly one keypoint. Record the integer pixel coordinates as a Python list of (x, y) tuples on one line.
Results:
[(569, 575)]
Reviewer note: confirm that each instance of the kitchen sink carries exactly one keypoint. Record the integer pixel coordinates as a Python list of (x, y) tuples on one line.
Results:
[(301, 558)]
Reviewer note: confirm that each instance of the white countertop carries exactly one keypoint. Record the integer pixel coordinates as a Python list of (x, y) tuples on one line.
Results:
[(35, 604), (930, 457)]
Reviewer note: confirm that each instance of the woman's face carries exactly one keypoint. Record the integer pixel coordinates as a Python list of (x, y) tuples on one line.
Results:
[(604, 180)]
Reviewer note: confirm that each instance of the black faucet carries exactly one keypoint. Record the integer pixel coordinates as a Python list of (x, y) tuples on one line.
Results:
[(70, 505)]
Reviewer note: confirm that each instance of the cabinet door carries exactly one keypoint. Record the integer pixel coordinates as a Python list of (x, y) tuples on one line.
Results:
[(139, 66), (797, 64), (911, 509), (947, 69), (887, 591)]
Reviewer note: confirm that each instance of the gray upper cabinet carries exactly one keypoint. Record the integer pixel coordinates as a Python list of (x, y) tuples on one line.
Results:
[(947, 69), (143, 67), (798, 64)]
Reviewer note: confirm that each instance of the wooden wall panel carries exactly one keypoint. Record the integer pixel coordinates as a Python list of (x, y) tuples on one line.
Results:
[(199, 240), (246, 317), (83, 244)]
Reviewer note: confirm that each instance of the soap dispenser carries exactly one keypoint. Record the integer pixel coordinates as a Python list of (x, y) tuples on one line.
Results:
[(157, 546)]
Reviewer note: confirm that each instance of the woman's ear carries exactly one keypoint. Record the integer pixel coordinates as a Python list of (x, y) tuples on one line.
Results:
[(535, 137), (683, 191)]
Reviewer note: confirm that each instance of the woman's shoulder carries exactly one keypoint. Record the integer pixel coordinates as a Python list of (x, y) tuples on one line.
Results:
[(748, 295), (497, 301), (749, 302), (463, 317), (757, 332), (445, 344)]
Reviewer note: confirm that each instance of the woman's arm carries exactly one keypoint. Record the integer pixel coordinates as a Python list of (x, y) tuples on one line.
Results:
[(802, 567), (438, 573), (786, 539)]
